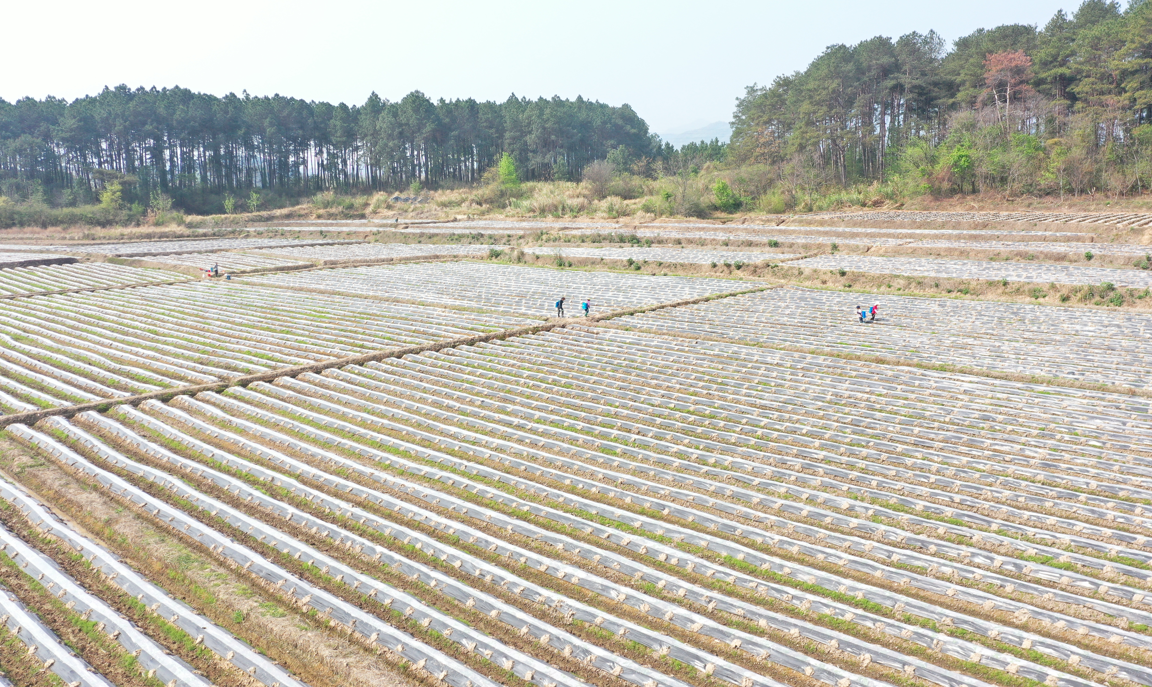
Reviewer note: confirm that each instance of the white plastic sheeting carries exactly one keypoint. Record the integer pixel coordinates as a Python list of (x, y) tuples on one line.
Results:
[(88, 346), (1097, 346), (505, 288), (364, 625), (149, 654), (42, 643), (644, 546), (975, 269), (204, 631)]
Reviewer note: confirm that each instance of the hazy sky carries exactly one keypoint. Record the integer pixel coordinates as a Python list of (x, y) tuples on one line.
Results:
[(679, 64)]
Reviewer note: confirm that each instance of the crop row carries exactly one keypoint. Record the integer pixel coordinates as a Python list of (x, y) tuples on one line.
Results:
[(204, 632), (92, 275), (149, 248), (276, 511), (506, 288), (43, 644), (690, 497), (674, 255), (975, 269), (228, 261), (1122, 219), (160, 664), (16, 259), (377, 251), (1007, 337), (82, 347), (361, 625), (800, 234), (1047, 246)]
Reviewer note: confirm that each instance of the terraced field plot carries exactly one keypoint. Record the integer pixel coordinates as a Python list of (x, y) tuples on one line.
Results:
[(860, 230), (516, 225), (1094, 346), (1135, 250), (145, 248), (1120, 219), (760, 238), (825, 235), (20, 281), (377, 251), (631, 504), (17, 259), (681, 255), (530, 291), (60, 350), (975, 269), (230, 262)]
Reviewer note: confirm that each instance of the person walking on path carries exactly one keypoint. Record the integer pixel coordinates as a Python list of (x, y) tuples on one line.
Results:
[(875, 308), (560, 307), (587, 307), (860, 313)]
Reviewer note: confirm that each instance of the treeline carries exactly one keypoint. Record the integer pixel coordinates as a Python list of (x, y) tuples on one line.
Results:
[(1062, 109), (199, 149)]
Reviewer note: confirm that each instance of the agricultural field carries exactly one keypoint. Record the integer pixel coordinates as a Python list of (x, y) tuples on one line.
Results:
[(17, 259), (490, 224), (414, 475), (1100, 347), (20, 281), (976, 269), (1109, 219), (127, 249), (904, 232), (671, 255), (83, 347), (813, 235), (602, 504), (377, 251), (1136, 250), (527, 291), (230, 261)]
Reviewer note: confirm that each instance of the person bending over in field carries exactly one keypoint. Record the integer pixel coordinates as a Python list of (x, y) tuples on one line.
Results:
[(560, 307)]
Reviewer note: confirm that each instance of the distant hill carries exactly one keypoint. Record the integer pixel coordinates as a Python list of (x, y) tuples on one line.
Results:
[(720, 130)]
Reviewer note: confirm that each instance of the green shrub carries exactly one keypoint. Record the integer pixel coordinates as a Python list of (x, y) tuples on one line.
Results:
[(726, 198), (774, 203), (506, 169)]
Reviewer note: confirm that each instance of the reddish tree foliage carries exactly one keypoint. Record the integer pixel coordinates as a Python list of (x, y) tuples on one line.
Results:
[(1007, 75)]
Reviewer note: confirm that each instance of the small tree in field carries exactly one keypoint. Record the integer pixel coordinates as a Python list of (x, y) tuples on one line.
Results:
[(507, 174), (112, 196), (598, 175)]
